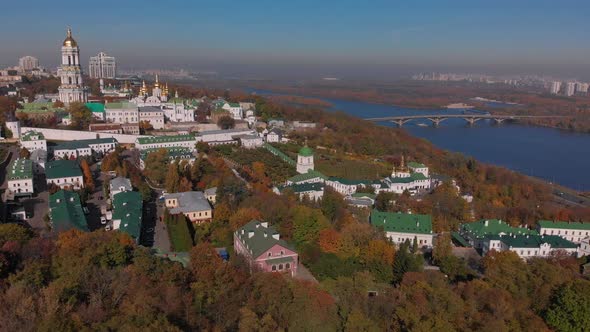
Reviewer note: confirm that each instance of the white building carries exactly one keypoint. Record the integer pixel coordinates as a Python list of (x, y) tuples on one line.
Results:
[(28, 63), (32, 140), (305, 160), (571, 231), (123, 112), (236, 111), (157, 142), (20, 177), (584, 249), (193, 204), (275, 135), (312, 191), (84, 148), (251, 141), (177, 110), (224, 136), (39, 158), (402, 227), (102, 66), (582, 87), (70, 73), (152, 114), (14, 127), (570, 89), (555, 87), (118, 185), (418, 168), (65, 174), (346, 186), (527, 246)]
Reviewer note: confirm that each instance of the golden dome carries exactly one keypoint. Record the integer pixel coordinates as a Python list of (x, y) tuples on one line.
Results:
[(69, 41)]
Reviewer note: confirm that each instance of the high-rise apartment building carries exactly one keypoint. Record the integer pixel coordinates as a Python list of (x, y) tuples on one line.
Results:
[(570, 89), (555, 86), (102, 66), (28, 63)]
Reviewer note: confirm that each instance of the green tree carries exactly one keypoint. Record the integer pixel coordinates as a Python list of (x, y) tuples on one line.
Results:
[(14, 232), (570, 307), (307, 224), (80, 114), (226, 122), (156, 166)]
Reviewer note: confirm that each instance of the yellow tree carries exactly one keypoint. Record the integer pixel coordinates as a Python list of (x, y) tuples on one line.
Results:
[(88, 180)]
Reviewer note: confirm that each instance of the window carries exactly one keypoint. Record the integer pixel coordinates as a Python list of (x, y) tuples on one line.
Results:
[(269, 254), (287, 266), (280, 267), (282, 253), (274, 268)]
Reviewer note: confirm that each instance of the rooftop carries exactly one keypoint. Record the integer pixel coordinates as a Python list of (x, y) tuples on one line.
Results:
[(82, 144), (165, 139), (20, 169), (402, 222), (492, 227), (189, 201), (66, 211), (62, 169), (119, 182), (95, 107), (32, 136), (564, 225), (150, 109), (258, 237), (303, 187), (128, 207), (173, 152), (534, 241), (414, 164), (121, 105), (306, 151), (311, 174)]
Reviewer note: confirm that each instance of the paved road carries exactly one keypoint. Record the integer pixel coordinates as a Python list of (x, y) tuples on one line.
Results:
[(161, 239)]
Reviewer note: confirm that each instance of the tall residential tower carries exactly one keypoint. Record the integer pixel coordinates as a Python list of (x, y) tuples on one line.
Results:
[(102, 66), (70, 73)]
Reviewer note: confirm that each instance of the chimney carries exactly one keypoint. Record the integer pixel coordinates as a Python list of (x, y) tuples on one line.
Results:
[(250, 234), (485, 223), (265, 235), (276, 236), (71, 199), (417, 224), (264, 224), (58, 200)]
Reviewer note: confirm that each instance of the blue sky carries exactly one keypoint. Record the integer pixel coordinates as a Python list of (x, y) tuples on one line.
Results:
[(429, 34)]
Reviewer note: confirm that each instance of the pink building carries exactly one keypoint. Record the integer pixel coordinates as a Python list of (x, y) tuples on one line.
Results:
[(262, 247)]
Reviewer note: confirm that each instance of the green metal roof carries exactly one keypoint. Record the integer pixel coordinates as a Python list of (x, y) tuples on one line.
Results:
[(262, 239), (311, 174), (165, 139), (306, 151), (413, 177), (120, 105), (234, 104), (128, 207), (402, 222), (303, 187), (66, 211), (534, 241), (62, 169), (95, 107), (351, 182), (30, 135), (173, 152), (20, 169), (564, 224), (486, 227), (460, 240), (414, 164)]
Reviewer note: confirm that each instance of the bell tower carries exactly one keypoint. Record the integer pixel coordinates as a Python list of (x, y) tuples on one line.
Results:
[(71, 88)]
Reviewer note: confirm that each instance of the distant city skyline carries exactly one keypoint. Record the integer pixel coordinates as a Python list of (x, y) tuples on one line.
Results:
[(342, 39)]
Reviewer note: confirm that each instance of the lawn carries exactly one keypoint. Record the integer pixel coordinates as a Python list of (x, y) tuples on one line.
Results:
[(350, 169)]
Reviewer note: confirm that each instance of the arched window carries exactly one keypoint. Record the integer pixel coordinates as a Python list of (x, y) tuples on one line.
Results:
[(274, 268), (69, 80), (287, 266), (280, 266)]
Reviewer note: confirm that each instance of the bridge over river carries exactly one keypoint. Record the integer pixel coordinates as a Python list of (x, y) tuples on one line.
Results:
[(470, 118)]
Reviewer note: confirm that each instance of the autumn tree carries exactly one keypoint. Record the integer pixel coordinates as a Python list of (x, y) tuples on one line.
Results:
[(24, 153), (88, 179), (172, 178), (243, 216), (80, 114)]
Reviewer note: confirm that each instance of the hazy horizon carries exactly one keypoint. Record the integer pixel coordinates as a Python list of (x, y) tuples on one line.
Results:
[(263, 39)]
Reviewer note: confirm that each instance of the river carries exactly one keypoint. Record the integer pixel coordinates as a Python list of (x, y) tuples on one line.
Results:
[(554, 155)]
